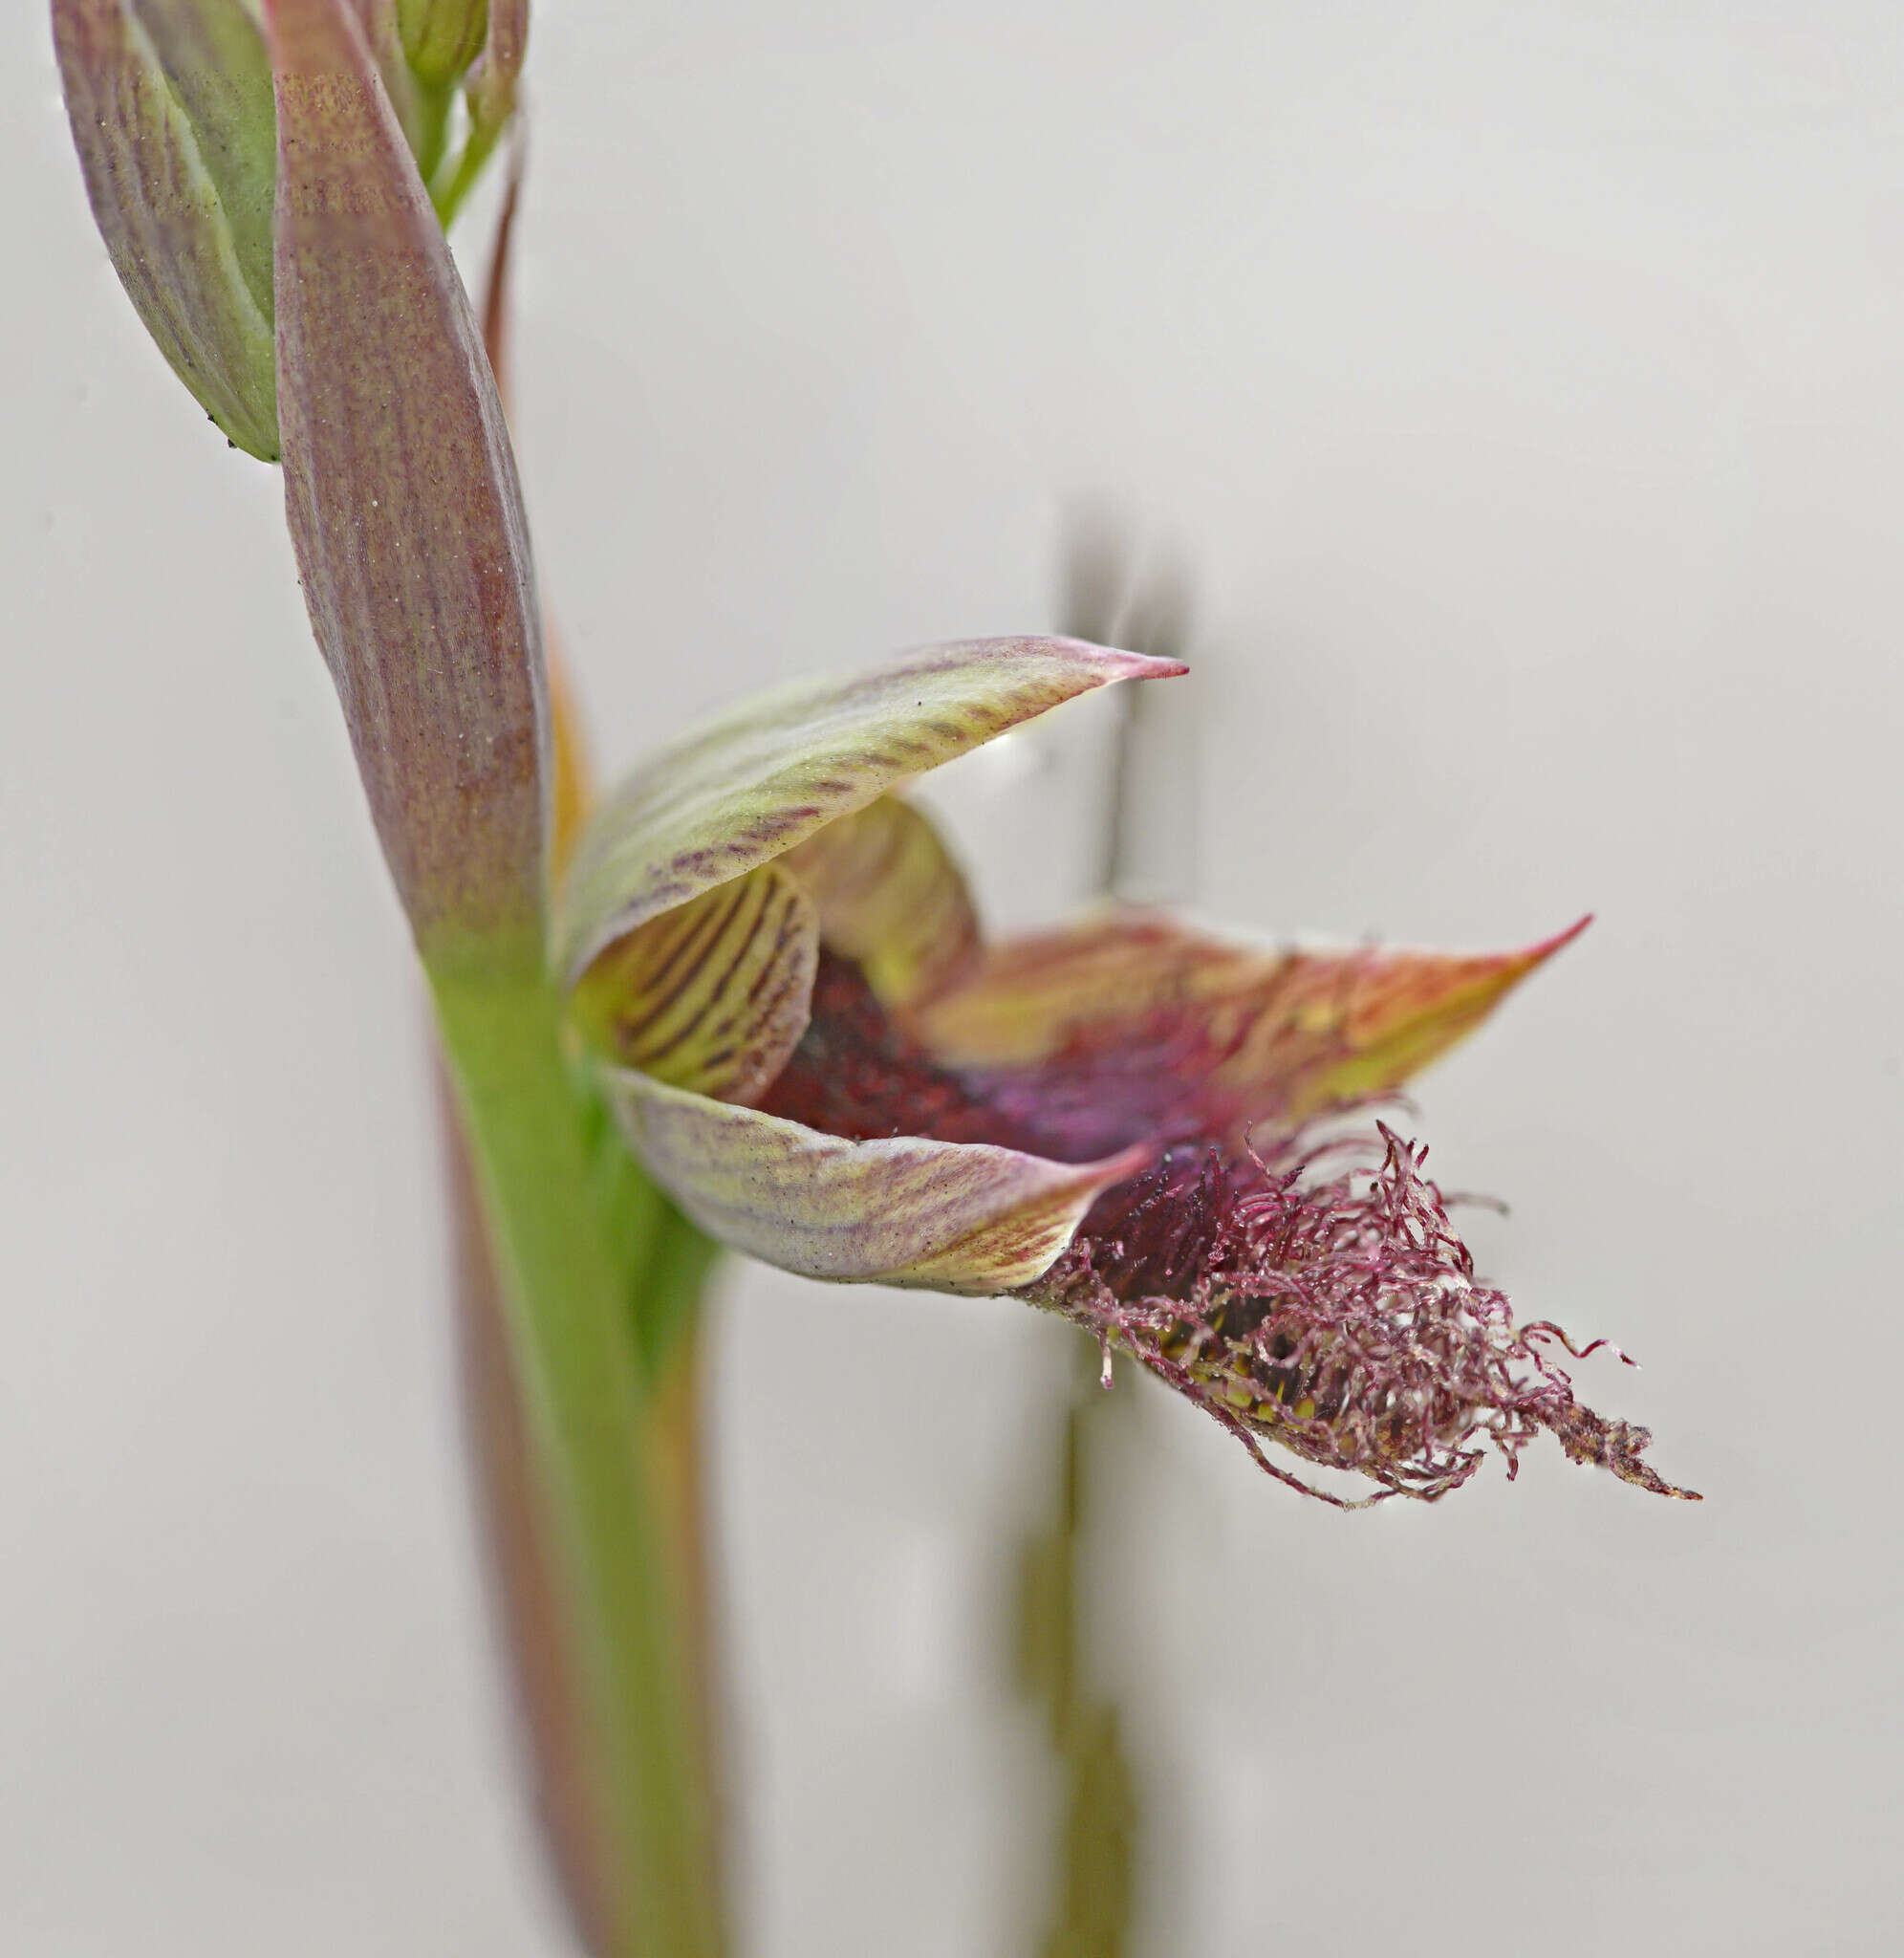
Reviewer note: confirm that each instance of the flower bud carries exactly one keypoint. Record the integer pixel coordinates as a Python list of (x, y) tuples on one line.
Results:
[(441, 38), (492, 82), (171, 102)]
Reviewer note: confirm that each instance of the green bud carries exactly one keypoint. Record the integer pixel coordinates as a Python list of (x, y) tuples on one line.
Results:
[(441, 38), (492, 82), (170, 103)]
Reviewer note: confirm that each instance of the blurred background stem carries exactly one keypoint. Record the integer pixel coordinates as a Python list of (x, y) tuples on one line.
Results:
[(1097, 1838)]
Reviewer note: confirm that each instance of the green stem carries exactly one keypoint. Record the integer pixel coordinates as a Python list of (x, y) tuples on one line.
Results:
[(1097, 1838), (434, 105), (449, 187), (567, 1300)]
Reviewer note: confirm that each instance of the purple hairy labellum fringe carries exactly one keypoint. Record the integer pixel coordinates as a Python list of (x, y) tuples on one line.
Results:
[(1301, 1283), (1334, 1313)]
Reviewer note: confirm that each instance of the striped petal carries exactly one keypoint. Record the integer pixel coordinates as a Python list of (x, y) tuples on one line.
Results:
[(713, 995), (1286, 1032), (943, 1216), (890, 898), (765, 778)]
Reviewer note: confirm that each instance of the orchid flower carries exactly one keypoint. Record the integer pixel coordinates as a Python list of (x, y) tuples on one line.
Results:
[(815, 1051)]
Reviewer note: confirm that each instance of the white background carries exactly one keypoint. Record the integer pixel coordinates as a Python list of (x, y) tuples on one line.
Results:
[(1524, 386)]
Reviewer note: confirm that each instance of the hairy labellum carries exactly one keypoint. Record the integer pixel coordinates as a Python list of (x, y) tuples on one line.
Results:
[(1336, 1314), (1304, 1290)]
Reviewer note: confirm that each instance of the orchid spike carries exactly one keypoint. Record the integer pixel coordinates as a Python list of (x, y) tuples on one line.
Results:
[(1126, 1121)]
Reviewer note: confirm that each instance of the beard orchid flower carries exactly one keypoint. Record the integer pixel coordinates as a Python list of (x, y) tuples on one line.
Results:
[(780, 973)]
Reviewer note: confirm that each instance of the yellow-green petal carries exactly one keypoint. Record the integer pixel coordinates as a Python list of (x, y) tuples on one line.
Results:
[(754, 784), (890, 897), (957, 1217), (712, 995)]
